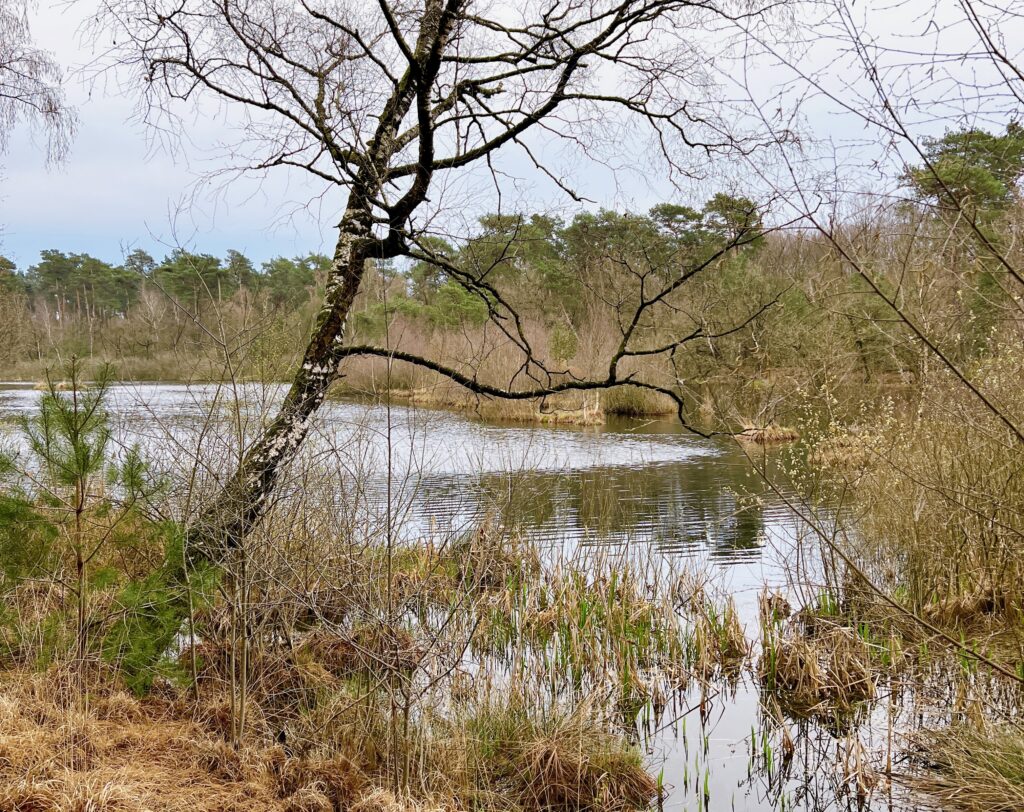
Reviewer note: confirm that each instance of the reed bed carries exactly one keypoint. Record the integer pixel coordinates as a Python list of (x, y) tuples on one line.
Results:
[(465, 671)]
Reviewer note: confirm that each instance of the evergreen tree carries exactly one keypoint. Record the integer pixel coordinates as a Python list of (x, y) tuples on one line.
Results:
[(972, 171)]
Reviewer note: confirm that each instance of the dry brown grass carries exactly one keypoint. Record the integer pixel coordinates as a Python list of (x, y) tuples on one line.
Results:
[(125, 754), (132, 755), (569, 409), (770, 434), (814, 666), (972, 767), (369, 648), (501, 758), (629, 401), (119, 755), (382, 800)]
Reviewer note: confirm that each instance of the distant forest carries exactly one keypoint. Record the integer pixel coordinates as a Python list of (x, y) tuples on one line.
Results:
[(560, 274), (63, 285)]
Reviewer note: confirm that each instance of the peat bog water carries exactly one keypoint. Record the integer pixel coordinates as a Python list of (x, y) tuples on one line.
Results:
[(645, 484)]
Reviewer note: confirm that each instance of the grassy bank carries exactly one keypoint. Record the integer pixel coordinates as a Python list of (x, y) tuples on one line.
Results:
[(331, 664), (125, 753), (466, 669), (576, 409)]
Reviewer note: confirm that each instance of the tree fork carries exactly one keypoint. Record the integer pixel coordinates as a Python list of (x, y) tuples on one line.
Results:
[(226, 520)]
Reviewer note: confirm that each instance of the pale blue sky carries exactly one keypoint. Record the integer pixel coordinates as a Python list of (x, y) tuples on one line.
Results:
[(119, 191)]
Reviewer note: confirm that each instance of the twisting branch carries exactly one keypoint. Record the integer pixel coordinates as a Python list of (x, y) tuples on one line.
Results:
[(377, 101)]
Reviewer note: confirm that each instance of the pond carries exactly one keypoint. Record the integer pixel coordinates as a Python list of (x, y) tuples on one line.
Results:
[(646, 484)]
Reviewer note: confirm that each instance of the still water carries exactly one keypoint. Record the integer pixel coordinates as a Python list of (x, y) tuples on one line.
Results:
[(641, 483)]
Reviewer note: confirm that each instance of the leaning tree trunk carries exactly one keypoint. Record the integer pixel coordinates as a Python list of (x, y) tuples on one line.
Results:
[(231, 514)]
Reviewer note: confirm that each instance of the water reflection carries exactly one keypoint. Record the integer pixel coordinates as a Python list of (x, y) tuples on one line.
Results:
[(628, 483), (679, 508), (636, 482)]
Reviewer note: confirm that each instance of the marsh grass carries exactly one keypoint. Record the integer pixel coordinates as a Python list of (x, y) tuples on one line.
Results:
[(718, 642), (972, 767), (938, 505), (504, 756), (770, 434), (629, 401), (814, 665), (473, 670)]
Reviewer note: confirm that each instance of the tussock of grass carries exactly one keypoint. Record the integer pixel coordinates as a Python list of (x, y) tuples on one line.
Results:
[(814, 667), (974, 768), (965, 608), (335, 779), (277, 678), (368, 649), (632, 401), (845, 449), (767, 435), (563, 762)]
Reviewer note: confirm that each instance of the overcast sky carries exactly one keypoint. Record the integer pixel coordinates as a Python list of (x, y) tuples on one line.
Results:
[(119, 191)]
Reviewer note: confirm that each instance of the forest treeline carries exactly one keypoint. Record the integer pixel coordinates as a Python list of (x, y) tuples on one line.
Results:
[(784, 306), (88, 293), (144, 309)]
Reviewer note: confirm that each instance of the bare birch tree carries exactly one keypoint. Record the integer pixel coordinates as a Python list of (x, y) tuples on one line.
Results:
[(383, 103)]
